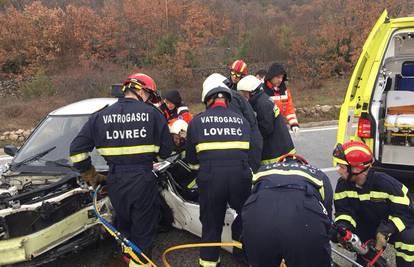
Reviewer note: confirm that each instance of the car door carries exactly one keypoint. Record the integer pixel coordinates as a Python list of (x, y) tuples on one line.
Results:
[(356, 104)]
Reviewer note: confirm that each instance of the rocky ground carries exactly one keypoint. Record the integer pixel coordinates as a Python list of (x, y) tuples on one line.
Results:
[(15, 136)]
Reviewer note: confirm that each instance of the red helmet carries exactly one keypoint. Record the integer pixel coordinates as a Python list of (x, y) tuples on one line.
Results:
[(239, 67), (354, 154), (293, 156), (144, 82), (140, 81)]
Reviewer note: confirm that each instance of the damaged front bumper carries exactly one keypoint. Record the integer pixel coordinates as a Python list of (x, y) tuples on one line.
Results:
[(16, 249)]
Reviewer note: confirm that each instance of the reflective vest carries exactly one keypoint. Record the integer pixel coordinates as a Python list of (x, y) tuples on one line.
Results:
[(182, 113), (283, 99)]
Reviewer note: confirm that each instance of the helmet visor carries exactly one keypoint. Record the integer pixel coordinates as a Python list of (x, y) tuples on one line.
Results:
[(339, 155), (154, 96), (236, 74)]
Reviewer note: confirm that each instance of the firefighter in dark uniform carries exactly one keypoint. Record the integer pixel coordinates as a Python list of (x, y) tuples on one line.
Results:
[(241, 106), (218, 142), (287, 216), (276, 138), (238, 69), (373, 204), (129, 135)]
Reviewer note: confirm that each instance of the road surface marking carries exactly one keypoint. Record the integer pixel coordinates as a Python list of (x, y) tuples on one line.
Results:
[(319, 129)]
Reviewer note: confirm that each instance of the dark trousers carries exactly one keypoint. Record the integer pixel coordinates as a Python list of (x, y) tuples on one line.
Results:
[(221, 184), (285, 224), (404, 246), (135, 199)]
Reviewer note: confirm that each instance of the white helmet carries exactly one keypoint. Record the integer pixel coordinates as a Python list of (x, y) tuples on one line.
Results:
[(248, 84), (214, 84), (179, 127)]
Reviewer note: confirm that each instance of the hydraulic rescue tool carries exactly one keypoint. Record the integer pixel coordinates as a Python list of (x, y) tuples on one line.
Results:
[(366, 251)]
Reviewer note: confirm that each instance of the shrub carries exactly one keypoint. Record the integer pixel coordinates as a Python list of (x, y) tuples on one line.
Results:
[(15, 65), (39, 85)]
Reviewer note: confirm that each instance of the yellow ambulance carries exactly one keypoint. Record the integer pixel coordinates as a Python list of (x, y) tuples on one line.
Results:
[(379, 104)]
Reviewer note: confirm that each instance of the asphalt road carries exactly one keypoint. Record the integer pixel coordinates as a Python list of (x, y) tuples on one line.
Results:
[(315, 144)]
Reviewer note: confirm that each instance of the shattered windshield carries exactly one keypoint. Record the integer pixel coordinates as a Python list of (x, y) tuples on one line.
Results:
[(56, 131)]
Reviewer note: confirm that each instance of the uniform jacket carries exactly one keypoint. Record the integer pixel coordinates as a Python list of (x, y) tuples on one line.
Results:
[(128, 132), (280, 95), (276, 138), (383, 203), (241, 106), (283, 99), (291, 173), (218, 134)]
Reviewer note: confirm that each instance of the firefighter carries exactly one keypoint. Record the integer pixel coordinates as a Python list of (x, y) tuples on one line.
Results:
[(218, 141), (276, 138), (241, 106), (173, 107), (237, 71), (178, 130), (373, 204), (129, 135), (287, 216), (275, 87)]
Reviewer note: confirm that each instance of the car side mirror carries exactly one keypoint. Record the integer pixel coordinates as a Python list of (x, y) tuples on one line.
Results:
[(10, 150)]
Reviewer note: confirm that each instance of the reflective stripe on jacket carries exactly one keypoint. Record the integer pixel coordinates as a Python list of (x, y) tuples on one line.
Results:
[(383, 202), (126, 133)]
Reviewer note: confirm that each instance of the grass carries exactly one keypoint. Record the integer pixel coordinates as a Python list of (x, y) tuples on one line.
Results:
[(332, 92)]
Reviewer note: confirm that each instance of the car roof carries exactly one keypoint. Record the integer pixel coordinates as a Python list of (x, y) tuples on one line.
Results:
[(84, 107)]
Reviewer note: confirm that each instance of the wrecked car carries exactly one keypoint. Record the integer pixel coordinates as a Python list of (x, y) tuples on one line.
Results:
[(46, 209)]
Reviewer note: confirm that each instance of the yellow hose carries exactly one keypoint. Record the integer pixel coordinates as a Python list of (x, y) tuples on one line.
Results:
[(129, 251), (197, 245), (126, 249)]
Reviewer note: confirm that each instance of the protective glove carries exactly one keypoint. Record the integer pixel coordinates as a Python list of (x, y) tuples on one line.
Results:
[(295, 130), (337, 233), (381, 241), (92, 177), (374, 256)]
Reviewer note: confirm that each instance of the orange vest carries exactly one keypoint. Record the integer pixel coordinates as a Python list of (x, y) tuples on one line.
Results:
[(284, 102), (181, 113)]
